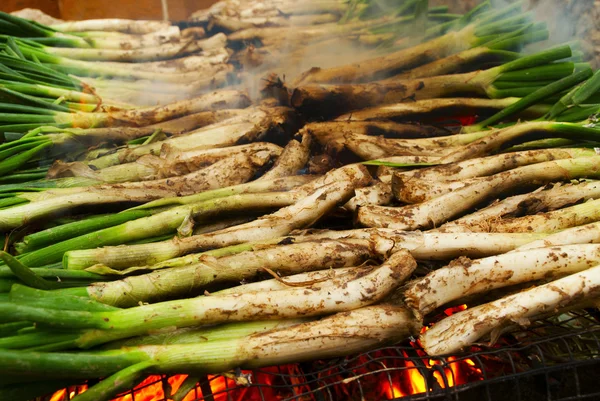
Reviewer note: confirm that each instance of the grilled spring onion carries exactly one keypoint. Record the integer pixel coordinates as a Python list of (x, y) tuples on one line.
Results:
[(338, 99), (171, 163), (299, 215), (435, 108), (233, 170), (484, 166), (493, 51), (425, 246), (93, 328), (412, 190), (19, 152), (241, 128), (67, 57), (20, 27), (471, 277), (440, 47), (546, 222), (586, 234), (463, 328), (112, 25), (438, 210), (544, 199), (193, 279), (48, 246), (340, 334), (18, 118)]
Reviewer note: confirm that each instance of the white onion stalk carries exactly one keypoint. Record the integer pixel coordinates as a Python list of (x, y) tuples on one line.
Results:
[(221, 134), (586, 234), (548, 222), (168, 34), (409, 188), (277, 36), (117, 135), (423, 246), (124, 41), (178, 65), (542, 199), (161, 52), (221, 99), (464, 328), (465, 277), (436, 211), (294, 157), (236, 24), (302, 184), (194, 279), (230, 171), (427, 245), (299, 215), (116, 25), (170, 163), (361, 138), (424, 108), (370, 148), (409, 161), (155, 82), (315, 280), (485, 166)]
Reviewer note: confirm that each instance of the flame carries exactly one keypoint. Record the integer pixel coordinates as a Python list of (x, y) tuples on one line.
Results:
[(402, 382), (392, 391), (59, 395)]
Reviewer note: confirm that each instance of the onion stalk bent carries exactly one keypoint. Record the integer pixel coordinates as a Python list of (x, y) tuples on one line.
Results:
[(293, 158)]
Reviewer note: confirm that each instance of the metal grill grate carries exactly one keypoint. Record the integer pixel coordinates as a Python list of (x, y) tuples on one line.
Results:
[(553, 360)]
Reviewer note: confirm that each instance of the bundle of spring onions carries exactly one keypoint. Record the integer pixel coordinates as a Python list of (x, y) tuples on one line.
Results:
[(211, 230)]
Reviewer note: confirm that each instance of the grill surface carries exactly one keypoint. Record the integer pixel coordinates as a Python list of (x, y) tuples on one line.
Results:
[(550, 360)]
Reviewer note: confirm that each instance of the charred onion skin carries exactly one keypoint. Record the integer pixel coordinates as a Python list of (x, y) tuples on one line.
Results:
[(333, 100)]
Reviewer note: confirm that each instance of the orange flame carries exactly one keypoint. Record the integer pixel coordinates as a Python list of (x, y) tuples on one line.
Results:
[(392, 391)]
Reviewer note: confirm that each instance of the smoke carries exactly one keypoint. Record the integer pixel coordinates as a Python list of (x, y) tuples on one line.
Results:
[(567, 20), (292, 50)]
